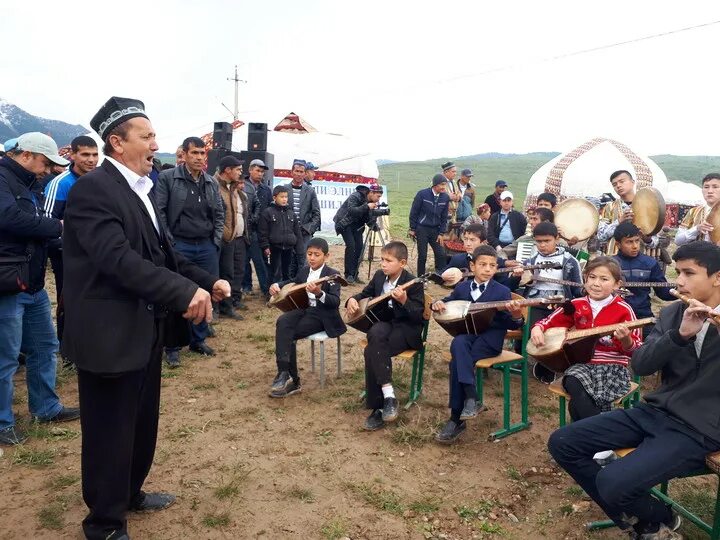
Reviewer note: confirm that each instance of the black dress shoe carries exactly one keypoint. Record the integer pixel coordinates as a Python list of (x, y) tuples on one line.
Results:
[(359, 280), (12, 436), (281, 382), (293, 387), (390, 409), (66, 414), (210, 331), (450, 432), (469, 409), (202, 348), (350, 279), (173, 359), (149, 502), (231, 315), (374, 421)]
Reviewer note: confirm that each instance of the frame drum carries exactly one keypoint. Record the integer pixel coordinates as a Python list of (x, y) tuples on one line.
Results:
[(576, 217), (713, 218), (649, 210)]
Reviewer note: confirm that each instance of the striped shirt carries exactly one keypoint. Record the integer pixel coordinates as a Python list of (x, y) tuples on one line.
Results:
[(56, 193), (296, 199)]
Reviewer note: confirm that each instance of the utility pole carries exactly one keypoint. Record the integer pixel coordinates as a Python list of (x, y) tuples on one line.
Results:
[(237, 82)]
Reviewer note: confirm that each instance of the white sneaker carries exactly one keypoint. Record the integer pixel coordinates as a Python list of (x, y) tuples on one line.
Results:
[(605, 457)]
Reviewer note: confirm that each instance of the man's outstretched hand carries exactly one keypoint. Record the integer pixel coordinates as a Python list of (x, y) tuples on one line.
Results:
[(220, 290)]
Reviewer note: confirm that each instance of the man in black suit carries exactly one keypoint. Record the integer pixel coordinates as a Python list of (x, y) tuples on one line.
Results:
[(322, 315), (126, 293)]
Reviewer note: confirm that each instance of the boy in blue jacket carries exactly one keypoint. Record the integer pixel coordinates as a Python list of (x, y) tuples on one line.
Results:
[(467, 349), (637, 266), (474, 236), (428, 221)]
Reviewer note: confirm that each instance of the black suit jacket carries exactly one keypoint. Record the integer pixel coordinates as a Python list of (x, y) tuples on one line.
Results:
[(120, 274), (409, 317), (329, 309), (518, 224)]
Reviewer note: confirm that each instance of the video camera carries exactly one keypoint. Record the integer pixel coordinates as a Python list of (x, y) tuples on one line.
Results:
[(381, 209)]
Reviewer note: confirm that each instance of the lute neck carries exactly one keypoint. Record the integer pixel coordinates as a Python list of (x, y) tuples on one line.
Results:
[(608, 329)]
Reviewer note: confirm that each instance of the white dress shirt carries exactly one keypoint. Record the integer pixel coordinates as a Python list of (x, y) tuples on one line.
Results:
[(141, 185), (389, 286), (477, 288), (312, 276)]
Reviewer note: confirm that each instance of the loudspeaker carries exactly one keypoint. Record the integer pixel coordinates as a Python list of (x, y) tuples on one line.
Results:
[(222, 135), (257, 137), (269, 160), (214, 157)]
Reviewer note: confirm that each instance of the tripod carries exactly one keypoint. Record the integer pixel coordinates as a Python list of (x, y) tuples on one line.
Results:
[(372, 234)]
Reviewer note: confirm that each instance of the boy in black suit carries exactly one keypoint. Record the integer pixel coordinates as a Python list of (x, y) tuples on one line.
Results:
[(322, 315), (402, 331), (466, 349)]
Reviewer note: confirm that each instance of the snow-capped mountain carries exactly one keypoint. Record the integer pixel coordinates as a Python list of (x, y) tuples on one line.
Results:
[(14, 121)]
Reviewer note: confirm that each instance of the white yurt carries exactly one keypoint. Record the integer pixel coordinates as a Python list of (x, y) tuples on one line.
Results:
[(585, 171)]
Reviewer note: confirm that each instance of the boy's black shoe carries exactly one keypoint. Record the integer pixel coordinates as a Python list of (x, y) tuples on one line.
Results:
[(469, 409), (390, 409), (202, 348), (374, 421), (543, 374), (450, 432), (281, 381), (289, 390)]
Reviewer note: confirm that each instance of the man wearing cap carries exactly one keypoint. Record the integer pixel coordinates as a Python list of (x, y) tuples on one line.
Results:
[(259, 198), (449, 171), (192, 211), (304, 202), (466, 190), (350, 221), (126, 294), (310, 169), (236, 233), (493, 200), (25, 314), (429, 221), (507, 224)]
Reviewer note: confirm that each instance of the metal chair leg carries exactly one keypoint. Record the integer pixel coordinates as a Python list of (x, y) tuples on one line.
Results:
[(312, 356), (339, 355), (322, 364)]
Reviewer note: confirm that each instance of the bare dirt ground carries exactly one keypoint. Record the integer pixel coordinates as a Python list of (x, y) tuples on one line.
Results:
[(246, 466)]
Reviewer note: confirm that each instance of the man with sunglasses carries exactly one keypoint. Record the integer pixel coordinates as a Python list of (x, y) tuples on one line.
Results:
[(25, 316)]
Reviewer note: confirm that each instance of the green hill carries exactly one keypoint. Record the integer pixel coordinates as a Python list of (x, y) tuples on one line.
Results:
[(404, 179)]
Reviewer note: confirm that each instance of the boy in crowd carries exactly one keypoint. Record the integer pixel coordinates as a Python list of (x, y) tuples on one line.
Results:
[(695, 226), (322, 315), (637, 266), (677, 425), (402, 331), (473, 237), (279, 235), (466, 349), (546, 200), (534, 216)]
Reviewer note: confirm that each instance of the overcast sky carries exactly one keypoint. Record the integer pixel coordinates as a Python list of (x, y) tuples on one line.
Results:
[(409, 80)]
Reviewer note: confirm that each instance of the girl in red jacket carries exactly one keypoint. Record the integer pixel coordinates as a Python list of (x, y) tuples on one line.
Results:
[(604, 378)]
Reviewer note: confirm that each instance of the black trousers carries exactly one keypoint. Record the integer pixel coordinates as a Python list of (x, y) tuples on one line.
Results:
[(119, 420), (353, 238), (425, 236), (280, 260), (384, 341), (290, 326), (232, 269), (665, 449)]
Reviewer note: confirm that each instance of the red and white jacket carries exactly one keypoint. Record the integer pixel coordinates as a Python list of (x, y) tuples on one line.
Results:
[(608, 350)]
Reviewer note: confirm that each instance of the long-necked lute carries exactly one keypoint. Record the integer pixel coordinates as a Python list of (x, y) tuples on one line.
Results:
[(564, 347), (294, 295), (627, 285), (465, 317), (622, 291), (372, 310), (453, 276), (686, 299)]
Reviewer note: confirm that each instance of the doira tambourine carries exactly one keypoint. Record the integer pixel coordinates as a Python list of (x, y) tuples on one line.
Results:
[(576, 218), (649, 210)]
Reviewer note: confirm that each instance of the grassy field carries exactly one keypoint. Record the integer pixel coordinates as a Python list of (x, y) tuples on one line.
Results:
[(406, 178)]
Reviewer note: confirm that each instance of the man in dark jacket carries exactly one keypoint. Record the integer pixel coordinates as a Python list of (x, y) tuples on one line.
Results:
[(192, 211), (507, 224), (350, 221), (304, 203), (676, 427), (260, 200), (126, 291), (25, 316), (429, 221), (493, 200)]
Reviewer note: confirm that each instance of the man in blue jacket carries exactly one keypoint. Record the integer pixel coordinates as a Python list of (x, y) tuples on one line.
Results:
[(25, 316), (428, 221)]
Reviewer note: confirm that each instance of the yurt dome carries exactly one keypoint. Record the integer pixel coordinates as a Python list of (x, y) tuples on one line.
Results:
[(683, 193), (585, 171)]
